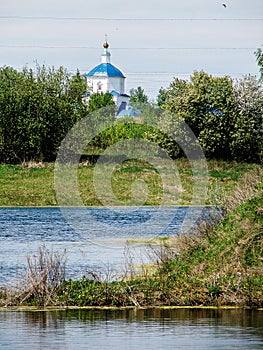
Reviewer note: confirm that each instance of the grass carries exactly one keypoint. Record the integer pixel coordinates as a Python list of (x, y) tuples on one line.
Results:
[(34, 186), (45, 274), (24, 186), (225, 265)]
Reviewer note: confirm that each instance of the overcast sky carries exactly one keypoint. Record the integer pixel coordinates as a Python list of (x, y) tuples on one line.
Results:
[(150, 41)]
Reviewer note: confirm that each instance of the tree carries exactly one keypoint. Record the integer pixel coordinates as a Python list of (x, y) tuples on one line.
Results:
[(161, 97), (206, 104), (247, 136), (259, 57), (37, 109), (225, 117), (12, 85), (137, 96), (98, 101)]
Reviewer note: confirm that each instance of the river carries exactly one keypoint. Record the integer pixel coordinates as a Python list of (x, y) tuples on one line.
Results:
[(94, 238), (148, 329)]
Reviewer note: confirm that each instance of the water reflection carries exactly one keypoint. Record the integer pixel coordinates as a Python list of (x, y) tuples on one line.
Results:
[(132, 329)]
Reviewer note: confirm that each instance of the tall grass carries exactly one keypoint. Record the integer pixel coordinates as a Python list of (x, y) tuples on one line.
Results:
[(44, 276), (245, 188)]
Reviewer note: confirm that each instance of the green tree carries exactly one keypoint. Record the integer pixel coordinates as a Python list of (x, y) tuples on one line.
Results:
[(259, 57), (37, 109), (138, 97), (98, 101), (206, 104), (12, 86), (161, 97), (247, 137), (225, 117), (58, 106)]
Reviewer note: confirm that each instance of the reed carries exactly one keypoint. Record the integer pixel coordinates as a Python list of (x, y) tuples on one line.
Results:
[(44, 276)]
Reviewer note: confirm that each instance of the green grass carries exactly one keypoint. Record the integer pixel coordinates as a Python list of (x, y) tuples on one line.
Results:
[(30, 186), (22, 186)]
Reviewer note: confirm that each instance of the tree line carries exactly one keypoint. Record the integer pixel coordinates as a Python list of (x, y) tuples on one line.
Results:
[(38, 108), (225, 115)]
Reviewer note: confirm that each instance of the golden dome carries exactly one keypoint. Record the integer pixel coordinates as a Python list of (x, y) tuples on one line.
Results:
[(105, 45)]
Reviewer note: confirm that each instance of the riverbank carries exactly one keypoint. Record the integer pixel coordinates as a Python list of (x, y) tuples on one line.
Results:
[(215, 266), (221, 267), (121, 308), (32, 184)]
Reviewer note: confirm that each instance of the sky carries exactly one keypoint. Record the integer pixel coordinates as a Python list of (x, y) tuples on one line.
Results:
[(151, 42)]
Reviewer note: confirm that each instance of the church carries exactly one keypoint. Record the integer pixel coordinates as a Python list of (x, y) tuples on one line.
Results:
[(105, 77)]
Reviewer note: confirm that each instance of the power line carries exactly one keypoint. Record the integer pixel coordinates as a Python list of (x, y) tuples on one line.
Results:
[(149, 74), (123, 19), (170, 73)]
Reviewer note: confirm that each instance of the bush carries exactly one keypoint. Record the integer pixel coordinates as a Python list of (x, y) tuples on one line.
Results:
[(36, 112)]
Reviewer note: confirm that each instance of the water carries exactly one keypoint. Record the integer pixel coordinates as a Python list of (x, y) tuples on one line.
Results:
[(132, 329), (91, 246), (94, 238)]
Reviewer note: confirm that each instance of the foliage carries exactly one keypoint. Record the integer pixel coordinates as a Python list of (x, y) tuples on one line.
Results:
[(225, 117), (138, 96), (259, 57), (204, 104), (164, 142), (37, 109), (247, 136), (150, 114), (161, 97), (98, 100), (128, 128)]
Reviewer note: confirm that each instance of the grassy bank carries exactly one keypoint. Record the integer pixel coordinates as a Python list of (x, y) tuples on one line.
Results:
[(221, 267), (33, 184), (218, 265)]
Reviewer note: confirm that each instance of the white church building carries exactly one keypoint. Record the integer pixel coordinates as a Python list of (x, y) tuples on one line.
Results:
[(105, 77)]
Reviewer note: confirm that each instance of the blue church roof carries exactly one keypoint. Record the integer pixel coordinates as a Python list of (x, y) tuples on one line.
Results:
[(105, 69), (116, 93), (127, 111)]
